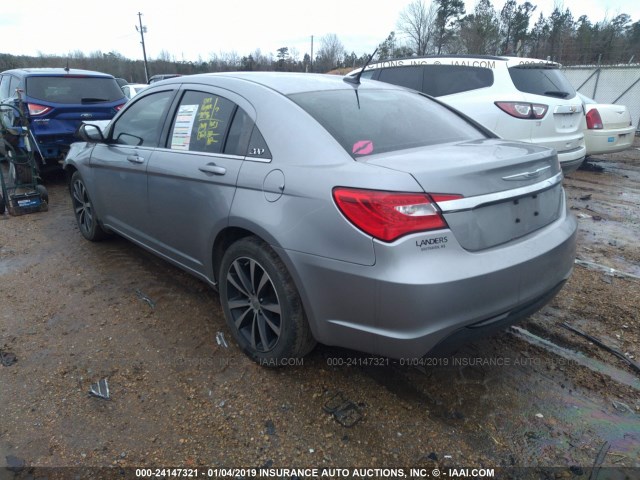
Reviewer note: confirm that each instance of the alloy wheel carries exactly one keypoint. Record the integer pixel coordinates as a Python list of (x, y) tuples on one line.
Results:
[(82, 206), (253, 302)]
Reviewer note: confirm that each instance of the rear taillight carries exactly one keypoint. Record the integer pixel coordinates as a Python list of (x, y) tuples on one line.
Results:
[(531, 111), (594, 121), (390, 215), (119, 107), (35, 109)]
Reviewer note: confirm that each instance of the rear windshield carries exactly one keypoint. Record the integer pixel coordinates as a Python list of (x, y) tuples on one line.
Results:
[(367, 122), (75, 90), (541, 80)]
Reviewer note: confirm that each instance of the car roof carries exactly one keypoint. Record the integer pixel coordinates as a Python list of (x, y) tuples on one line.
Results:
[(48, 72), (283, 82)]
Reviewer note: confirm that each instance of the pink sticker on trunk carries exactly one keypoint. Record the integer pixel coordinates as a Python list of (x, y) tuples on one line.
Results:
[(363, 147)]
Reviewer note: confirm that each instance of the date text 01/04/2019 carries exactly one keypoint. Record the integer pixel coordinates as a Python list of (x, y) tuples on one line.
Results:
[(267, 472), (309, 472)]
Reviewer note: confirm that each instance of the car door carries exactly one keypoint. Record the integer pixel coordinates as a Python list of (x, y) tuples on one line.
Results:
[(119, 167), (192, 180)]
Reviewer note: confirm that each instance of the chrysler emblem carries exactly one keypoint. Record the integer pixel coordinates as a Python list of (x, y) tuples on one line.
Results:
[(527, 175)]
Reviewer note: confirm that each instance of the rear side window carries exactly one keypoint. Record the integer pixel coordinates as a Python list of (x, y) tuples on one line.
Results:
[(410, 77), (541, 80), (73, 89), (367, 122), (202, 122), (4, 86), (14, 83), (440, 80), (239, 134)]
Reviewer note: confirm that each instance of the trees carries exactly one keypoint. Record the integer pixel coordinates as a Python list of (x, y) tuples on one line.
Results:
[(283, 55), (447, 13), (330, 54), (514, 26), (417, 22), (423, 27), (561, 29), (391, 49), (480, 31)]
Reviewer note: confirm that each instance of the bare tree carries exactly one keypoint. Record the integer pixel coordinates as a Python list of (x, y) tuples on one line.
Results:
[(165, 56), (330, 53), (417, 22)]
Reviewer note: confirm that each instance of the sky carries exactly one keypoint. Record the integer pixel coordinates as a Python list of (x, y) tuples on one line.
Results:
[(60, 27)]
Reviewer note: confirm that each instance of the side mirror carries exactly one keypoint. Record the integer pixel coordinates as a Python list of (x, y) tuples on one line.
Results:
[(90, 133)]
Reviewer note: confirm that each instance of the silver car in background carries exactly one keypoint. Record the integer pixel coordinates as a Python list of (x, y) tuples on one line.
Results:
[(364, 215)]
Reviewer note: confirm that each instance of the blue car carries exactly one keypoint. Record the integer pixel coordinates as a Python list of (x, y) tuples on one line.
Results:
[(56, 101)]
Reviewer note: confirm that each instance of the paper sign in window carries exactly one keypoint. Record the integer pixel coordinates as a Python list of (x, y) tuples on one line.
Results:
[(181, 138)]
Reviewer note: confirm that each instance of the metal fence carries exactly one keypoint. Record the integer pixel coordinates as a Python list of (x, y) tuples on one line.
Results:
[(609, 84)]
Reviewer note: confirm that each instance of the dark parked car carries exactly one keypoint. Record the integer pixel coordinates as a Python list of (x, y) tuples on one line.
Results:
[(56, 101), (164, 76), (366, 216)]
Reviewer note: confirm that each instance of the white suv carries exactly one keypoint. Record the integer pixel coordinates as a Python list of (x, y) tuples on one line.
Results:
[(517, 98)]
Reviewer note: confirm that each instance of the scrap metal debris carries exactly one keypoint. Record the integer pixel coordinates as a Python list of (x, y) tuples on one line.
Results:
[(622, 407), (221, 341), (603, 268), (7, 358), (603, 345), (144, 298), (100, 389), (599, 459), (345, 412)]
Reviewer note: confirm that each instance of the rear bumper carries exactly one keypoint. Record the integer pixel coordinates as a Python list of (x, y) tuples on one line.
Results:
[(54, 147), (572, 159), (608, 141), (493, 325), (414, 298)]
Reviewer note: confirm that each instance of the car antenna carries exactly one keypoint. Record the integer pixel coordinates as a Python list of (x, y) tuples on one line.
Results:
[(355, 79)]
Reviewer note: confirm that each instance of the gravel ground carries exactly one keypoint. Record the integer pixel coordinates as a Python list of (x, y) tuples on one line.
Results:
[(74, 312)]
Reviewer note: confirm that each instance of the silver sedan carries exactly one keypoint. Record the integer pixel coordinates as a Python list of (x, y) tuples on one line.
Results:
[(360, 215)]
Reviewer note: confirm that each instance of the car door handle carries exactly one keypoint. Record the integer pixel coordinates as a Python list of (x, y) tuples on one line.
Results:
[(135, 159), (213, 168)]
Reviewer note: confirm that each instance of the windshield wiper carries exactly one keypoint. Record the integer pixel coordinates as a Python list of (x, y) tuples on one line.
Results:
[(557, 93), (93, 100)]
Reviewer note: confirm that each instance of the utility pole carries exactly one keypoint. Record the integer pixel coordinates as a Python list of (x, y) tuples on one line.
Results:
[(142, 31), (311, 53)]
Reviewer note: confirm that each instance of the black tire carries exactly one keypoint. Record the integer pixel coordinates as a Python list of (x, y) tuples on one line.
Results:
[(44, 194), (2, 207), (261, 304), (86, 217)]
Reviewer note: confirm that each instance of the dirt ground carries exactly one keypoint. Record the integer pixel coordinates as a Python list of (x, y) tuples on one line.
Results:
[(539, 395)]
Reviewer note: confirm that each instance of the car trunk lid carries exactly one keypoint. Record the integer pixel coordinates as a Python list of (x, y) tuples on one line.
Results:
[(613, 116), (509, 189)]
